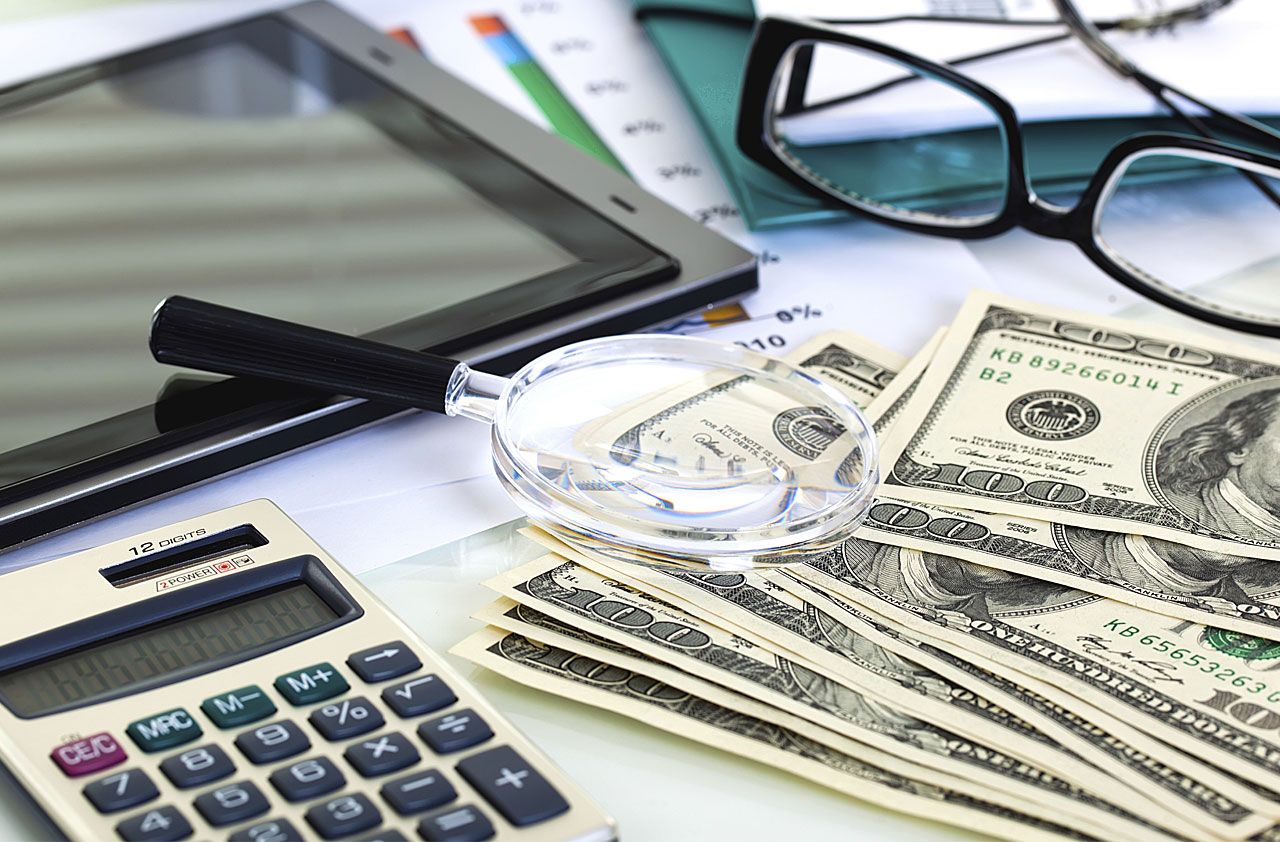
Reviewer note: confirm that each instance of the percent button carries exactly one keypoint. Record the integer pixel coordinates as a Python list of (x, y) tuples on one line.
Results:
[(347, 718)]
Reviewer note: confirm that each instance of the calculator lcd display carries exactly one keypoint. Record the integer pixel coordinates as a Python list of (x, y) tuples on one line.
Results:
[(144, 658)]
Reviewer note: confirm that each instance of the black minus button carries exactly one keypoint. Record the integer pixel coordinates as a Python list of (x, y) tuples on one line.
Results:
[(378, 663), (512, 786)]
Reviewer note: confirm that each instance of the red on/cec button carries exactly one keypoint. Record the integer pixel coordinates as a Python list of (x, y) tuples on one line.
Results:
[(89, 754)]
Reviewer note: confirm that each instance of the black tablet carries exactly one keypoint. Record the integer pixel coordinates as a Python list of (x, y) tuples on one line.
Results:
[(301, 165)]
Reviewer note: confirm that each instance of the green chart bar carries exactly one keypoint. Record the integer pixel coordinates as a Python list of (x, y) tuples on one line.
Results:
[(567, 121)]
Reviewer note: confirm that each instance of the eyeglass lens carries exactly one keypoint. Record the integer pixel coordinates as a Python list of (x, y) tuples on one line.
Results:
[(1198, 225), (886, 138)]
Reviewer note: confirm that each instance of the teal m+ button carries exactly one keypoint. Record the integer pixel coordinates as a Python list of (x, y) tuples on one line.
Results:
[(316, 682), (248, 704), (163, 730)]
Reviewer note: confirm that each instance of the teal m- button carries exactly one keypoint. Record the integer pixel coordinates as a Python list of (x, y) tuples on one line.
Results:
[(164, 730), (238, 707)]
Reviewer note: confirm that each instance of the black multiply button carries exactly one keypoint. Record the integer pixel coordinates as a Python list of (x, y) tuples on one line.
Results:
[(382, 754)]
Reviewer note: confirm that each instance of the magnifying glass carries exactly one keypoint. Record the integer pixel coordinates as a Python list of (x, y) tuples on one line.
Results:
[(652, 448)]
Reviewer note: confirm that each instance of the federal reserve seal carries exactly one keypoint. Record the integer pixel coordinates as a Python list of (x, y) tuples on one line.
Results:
[(1053, 415), (807, 431), (1240, 645)]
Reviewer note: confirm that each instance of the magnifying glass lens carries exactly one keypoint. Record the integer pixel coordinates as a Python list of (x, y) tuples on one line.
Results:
[(686, 450)]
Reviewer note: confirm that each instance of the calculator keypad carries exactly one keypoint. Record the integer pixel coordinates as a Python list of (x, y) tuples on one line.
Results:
[(418, 695), (379, 663), (163, 824), (418, 792), (312, 684), (121, 790), (271, 830), (238, 707), (381, 755), (346, 718), (455, 731), (273, 741), (456, 824), (344, 816), (164, 730), (511, 785), (231, 803), (307, 779), (197, 766), (320, 783)]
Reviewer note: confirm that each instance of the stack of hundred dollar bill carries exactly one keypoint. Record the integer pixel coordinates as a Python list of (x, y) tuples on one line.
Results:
[(1060, 619)]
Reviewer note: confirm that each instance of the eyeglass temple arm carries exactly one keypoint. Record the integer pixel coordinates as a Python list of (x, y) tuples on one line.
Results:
[(1243, 126)]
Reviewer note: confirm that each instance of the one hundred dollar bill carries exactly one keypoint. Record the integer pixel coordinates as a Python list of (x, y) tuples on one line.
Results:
[(579, 597), (579, 678), (1237, 593), (1166, 787), (1208, 692), (1037, 412)]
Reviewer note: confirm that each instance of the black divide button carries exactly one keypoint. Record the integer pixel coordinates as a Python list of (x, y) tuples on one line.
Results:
[(382, 754), (378, 663), (273, 741), (231, 803), (418, 792), (121, 790), (456, 824), (271, 830), (307, 779), (512, 786), (197, 766), (418, 695), (161, 824), (346, 718), (344, 816), (455, 731), (384, 835)]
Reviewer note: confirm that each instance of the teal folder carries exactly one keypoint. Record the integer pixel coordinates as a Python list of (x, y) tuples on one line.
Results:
[(706, 56), (705, 44)]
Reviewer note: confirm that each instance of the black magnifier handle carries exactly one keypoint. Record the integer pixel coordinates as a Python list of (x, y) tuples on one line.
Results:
[(210, 337)]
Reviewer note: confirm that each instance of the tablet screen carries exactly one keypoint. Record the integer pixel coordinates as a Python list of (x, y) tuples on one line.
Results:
[(250, 167)]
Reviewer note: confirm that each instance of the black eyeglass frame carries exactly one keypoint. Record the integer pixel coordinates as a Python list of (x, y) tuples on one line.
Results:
[(774, 39)]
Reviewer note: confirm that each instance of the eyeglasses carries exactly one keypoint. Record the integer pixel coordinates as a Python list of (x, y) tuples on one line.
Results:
[(1188, 221)]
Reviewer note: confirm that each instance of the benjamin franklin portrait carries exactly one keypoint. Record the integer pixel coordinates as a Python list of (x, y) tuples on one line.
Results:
[(1183, 573), (1223, 470)]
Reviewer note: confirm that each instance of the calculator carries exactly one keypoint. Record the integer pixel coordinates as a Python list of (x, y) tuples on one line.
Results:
[(224, 678)]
